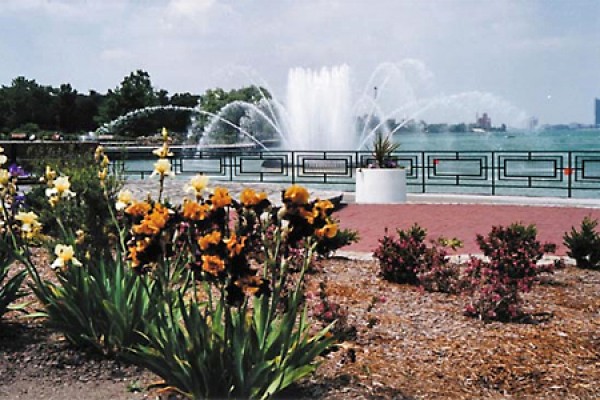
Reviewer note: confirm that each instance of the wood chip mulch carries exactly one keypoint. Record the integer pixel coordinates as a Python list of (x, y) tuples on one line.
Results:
[(419, 345)]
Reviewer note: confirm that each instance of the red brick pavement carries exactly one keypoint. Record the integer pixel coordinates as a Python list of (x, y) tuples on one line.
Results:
[(455, 220)]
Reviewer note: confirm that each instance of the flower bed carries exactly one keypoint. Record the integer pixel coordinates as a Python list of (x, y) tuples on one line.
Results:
[(419, 346)]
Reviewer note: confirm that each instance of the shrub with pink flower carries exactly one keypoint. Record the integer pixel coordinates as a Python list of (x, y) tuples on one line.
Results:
[(512, 269)]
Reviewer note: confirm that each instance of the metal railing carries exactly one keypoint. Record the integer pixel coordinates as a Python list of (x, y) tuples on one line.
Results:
[(530, 173)]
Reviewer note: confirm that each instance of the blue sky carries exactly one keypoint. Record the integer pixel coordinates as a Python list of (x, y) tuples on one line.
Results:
[(530, 57)]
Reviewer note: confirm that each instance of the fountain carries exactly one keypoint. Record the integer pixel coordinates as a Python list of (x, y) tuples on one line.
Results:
[(318, 113), (322, 113)]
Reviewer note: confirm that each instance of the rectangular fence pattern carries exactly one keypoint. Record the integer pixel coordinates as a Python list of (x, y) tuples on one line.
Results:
[(531, 173)]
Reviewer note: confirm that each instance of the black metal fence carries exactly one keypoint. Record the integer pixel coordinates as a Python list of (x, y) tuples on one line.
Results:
[(528, 173)]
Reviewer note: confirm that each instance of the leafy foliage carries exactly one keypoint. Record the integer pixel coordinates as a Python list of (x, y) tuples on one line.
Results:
[(399, 259), (584, 244), (382, 150), (10, 286), (436, 273), (105, 306)]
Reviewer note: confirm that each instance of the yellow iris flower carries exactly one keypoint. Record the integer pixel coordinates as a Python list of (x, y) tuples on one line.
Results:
[(30, 225), (162, 167), (197, 185), (4, 177), (162, 152), (124, 199), (65, 256), (61, 188)]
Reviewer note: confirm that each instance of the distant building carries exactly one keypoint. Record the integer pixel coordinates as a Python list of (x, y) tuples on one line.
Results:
[(598, 113), (485, 122), (532, 123)]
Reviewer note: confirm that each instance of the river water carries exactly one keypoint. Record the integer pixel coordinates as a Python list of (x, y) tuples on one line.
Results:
[(542, 140)]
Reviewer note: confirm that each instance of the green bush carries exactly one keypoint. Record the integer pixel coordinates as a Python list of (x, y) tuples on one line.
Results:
[(584, 244)]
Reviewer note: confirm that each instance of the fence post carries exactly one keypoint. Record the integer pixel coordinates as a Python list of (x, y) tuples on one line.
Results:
[(493, 173), (293, 168), (423, 188), (569, 177)]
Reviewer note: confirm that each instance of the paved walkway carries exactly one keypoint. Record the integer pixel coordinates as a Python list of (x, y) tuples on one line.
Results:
[(463, 221), (442, 215)]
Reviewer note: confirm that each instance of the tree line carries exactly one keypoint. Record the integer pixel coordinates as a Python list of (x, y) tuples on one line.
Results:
[(29, 107)]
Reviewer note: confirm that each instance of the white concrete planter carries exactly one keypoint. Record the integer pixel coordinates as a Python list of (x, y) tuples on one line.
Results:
[(380, 185)]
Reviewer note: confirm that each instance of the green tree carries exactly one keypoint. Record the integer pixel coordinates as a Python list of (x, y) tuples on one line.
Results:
[(214, 101), (87, 107), (27, 102), (135, 92), (66, 108)]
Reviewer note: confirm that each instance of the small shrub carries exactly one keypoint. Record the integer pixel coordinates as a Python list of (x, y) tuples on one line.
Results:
[(436, 273), (408, 259), (343, 237), (512, 269), (400, 259), (584, 244)]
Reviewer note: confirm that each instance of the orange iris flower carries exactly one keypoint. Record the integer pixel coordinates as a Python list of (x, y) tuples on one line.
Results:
[(220, 198), (212, 264), (194, 211), (212, 238), (234, 246), (154, 222), (249, 284), (322, 207), (328, 231), (296, 194), (250, 198), (138, 209)]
